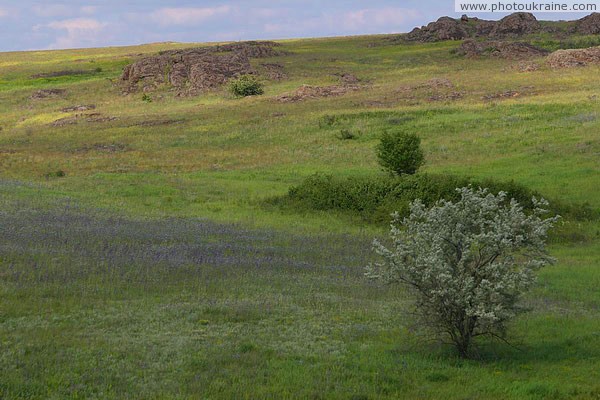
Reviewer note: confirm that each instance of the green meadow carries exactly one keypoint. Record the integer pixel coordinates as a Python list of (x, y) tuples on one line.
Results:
[(140, 256)]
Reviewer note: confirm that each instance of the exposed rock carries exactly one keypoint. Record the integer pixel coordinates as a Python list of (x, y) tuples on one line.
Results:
[(306, 92), (47, 94), (193, 71), (589, 25), (274, 71), (574, 58), (445, 28), (500, 49), (515, 25)]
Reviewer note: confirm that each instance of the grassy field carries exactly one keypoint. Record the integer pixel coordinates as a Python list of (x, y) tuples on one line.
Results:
[(138, 258)]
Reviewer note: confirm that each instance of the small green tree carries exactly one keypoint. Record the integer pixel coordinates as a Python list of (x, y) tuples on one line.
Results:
[(245, 85), (400, 152), (466, 263)]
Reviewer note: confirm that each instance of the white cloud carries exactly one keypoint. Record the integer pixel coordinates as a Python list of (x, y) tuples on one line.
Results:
[(187, 16), (79, 32), (77, 25), (4, 12)]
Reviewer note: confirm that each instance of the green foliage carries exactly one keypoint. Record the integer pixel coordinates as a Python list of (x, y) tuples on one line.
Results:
[(146, 98), (346, 134), (180, 328), (56, 174), (574, 42), (467, 263), (326, 192), (327, 120), (374, 198), (245, 85), (400, 152)]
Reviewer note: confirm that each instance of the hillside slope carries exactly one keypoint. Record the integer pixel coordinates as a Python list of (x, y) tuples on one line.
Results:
[(122, 275)]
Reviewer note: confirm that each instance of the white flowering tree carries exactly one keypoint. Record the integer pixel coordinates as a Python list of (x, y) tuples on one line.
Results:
[(467, 263)]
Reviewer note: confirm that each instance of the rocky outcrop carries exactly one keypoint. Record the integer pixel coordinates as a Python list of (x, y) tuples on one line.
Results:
[(589, 25), (307, 92), (574, 58), (511, 26), (445, 28), (193, 71), (516, 24), (500, 49)]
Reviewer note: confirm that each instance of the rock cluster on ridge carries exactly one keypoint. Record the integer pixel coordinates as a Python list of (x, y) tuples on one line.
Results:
[(192, 71), (511, 26)]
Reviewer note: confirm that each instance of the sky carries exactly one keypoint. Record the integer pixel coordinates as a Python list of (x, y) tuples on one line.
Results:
[(42, 25)]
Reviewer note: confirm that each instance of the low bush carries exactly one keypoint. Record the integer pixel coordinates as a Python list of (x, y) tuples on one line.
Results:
[(400, 153), (245, 85), (346, 134), (376, 197)]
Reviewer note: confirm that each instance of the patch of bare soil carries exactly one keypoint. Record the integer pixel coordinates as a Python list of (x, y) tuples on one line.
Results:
[(158, 122), (500, 49), (432, 90), (527, 66), (89, 117), (56, 74), (306, 92), (509, 94), (347, 78), (574, 58), (431, 84), (47, 94), (81, 107), (104, 148), (447, 97), (194, 71)]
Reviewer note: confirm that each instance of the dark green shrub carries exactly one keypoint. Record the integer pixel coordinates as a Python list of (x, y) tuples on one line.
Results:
[(56, 174), (327, 120), (146, 98), (245, 85), (346, 134), (326, 192), (376, 197), (400, 152)]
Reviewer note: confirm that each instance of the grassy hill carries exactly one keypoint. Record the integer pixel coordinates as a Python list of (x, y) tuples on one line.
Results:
[(114, 284)]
